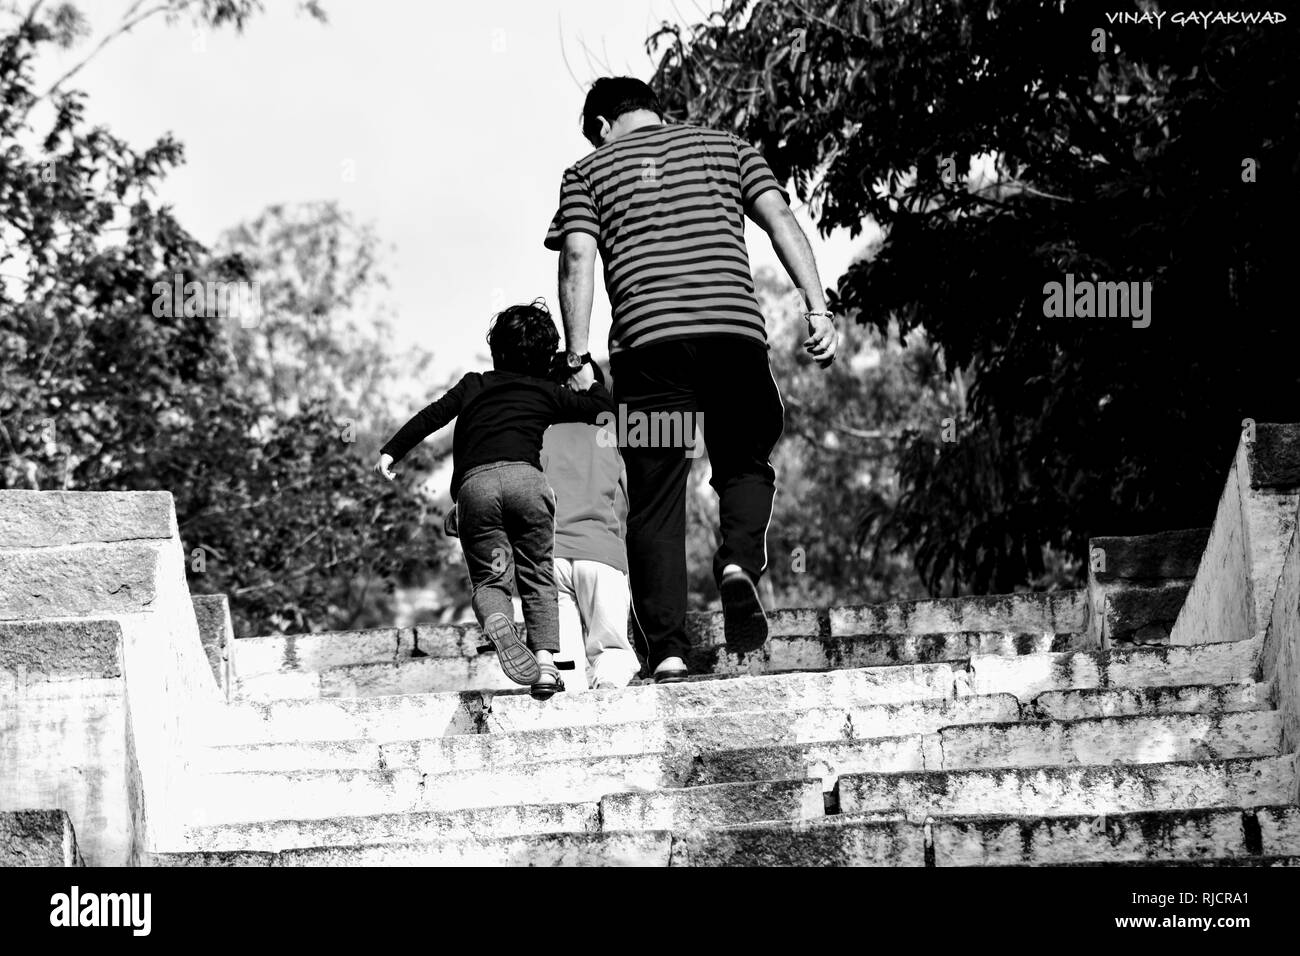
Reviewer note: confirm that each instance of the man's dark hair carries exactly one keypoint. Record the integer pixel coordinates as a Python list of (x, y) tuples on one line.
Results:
[(523, 339), (611, 97)]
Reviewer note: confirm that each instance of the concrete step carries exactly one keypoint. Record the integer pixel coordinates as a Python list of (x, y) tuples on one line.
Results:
[(416, 827), (417, 675), (1032, 675), (832, 841), (835, 652), (586, 762), (584, 741), (422, 782), (1167, 738), (249, 796), (415, 717), (1056, 612), (776, 692), (1070, 791), (1187, 835), (410, 717), (395, 671), (1134, 701), (646, 848), (1094, 742)]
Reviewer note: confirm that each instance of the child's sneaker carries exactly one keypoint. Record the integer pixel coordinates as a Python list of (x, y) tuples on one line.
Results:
[(513, 654)]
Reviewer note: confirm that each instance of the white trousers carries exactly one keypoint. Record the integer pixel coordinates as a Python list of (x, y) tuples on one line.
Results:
[(593, 625)]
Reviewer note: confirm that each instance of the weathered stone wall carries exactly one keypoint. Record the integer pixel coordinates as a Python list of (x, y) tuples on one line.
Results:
[(63, 731), (1137, 585), (37, 838), (217, 633), (1280, 659), (1232, 595), (114, 558)]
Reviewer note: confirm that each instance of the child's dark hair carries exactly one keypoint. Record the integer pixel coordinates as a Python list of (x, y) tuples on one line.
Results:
[(523, 339), (560, 371)]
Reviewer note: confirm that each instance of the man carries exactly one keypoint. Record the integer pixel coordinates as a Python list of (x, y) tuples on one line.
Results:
[(664, 205)]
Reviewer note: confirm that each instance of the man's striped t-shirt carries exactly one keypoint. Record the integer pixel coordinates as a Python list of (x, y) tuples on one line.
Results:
[(666, 204)]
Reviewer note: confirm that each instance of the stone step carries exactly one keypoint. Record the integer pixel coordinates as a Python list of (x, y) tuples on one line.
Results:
[(831, 841), (248, 796), (776, 692), (631, 848), (965, 733), (412, 675), (1070, 791), (1134, 701), (1186, 835), (683, 734), (817, 653), (410, 717), (1093, 742), (1054, 612), (414, 717), (417, 827), (1032, 675), (995, 620), (1025, 677), (1167, 738), (394, 671)]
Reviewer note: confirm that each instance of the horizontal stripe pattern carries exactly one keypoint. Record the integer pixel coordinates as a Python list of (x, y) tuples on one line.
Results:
[(667, 207)]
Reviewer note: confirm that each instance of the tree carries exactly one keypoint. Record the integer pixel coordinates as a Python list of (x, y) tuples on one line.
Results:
[(108, 386), (1000, 145)]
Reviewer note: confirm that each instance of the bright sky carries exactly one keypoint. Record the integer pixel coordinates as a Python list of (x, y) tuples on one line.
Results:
[(445, 125)]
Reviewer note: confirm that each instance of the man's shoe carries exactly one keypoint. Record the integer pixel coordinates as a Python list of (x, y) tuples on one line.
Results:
[(671, 670), (744, 623)]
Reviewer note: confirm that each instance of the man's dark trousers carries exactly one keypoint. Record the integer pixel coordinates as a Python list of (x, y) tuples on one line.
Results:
[(725, 383)]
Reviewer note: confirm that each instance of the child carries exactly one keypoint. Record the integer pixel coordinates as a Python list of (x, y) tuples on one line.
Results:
[(586, 472), (505, 509)]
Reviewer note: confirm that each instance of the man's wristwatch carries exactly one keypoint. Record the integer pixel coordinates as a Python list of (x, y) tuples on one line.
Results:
[(575, 361)]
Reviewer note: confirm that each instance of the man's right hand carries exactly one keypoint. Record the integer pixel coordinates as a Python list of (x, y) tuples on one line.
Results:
[(383, 467), (823, 339)]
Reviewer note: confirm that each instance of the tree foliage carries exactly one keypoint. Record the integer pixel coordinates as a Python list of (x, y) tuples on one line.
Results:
[(103, 390), (1000, 146)]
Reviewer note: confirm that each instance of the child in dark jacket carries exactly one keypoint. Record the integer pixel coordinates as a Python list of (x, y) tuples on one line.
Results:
[(505, 509)]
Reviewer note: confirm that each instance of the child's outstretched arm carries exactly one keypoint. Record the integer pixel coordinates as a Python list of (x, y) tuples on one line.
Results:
[(422, 424), (585, 406)]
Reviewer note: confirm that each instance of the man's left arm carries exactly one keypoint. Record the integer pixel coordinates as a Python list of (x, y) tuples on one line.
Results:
[(773, 215)]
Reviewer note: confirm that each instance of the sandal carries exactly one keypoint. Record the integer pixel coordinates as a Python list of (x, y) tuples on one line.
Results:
[(513, 654), (545, 690)]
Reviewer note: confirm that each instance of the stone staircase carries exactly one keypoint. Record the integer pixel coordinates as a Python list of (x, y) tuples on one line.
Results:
[(1006, 730), (1003, 752)]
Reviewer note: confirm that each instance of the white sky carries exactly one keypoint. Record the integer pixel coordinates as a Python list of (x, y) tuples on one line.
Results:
[(455, 121)]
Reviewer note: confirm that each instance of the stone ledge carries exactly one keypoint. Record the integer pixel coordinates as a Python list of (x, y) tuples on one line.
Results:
[(42, 519), (1274, 456), (1151, 557), (84, 580), (37, 838), (61, 650)]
